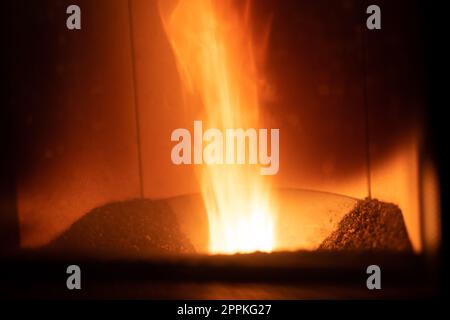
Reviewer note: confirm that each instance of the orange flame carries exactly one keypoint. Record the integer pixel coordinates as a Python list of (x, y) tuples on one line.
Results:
[(216, 62)]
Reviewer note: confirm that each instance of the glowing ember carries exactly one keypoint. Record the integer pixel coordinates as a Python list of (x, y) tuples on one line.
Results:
[(215, 58)]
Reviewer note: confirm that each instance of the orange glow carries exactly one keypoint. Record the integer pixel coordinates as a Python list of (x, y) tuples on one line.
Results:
[(216, 61)]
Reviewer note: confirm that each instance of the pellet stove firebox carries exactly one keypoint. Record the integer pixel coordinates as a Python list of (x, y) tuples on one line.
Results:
[(198, 149)]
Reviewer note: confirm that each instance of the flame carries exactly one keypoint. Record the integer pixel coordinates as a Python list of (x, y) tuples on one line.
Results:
[(216, 61)]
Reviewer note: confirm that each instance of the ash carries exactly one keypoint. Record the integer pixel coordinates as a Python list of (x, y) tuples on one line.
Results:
[(371, 225), (135, 228)]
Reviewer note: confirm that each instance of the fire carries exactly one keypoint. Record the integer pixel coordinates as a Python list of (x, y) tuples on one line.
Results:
[(216, 61)]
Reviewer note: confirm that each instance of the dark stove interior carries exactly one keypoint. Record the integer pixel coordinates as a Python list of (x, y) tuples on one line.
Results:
[(87, 177)]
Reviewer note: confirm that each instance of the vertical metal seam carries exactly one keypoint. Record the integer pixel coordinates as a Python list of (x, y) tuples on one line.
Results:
[(366, 109), (135, 98)]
